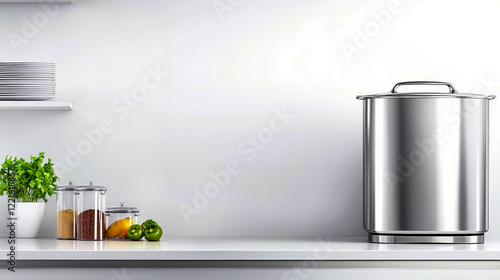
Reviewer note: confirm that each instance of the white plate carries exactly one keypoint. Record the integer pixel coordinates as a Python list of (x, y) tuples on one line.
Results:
[(27, 66), (10, 84), (22, 70), (26, 85), (14, 93), (31, 77), (27, 63), (42, 70), (30, 90), (7, 88), (28, 79), (27, 98), (27, 88), (26, 75), (3, 87), (21, 64), (33, 95), (18, 84), (30, 68), (27, 92), (31, 83)]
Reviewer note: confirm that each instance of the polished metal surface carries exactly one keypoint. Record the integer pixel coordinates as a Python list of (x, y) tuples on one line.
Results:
[(426, 165), (405, 239)]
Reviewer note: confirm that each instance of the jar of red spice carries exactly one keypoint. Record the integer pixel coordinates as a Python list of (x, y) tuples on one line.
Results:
[(91, 204)]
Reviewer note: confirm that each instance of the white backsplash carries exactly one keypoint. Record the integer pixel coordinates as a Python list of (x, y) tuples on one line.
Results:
[(260, 93)]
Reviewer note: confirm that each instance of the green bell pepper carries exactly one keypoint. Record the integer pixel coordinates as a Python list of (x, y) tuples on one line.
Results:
[(152, 231), (135, 232)]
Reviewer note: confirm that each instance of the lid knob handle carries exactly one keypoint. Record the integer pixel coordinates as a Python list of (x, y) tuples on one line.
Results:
[(122, 203), (435, 83), (91, 183), (70, 183)]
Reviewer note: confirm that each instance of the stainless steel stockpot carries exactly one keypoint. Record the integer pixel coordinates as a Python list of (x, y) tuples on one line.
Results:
[(425, 157)]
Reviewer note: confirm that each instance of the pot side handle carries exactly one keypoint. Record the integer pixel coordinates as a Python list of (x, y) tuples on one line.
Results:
[(450, 86)]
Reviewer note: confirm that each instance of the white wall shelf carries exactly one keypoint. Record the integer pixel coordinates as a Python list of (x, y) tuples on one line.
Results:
[(35, 1), (56, 105)]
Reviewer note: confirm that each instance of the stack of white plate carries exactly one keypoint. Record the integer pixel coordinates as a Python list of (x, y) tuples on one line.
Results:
[(27, 80)]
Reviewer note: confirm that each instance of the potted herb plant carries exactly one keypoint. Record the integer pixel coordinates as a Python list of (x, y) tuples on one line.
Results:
[(27, 183)]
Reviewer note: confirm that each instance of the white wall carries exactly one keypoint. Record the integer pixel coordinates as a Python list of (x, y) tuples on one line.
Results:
[(227, 75)]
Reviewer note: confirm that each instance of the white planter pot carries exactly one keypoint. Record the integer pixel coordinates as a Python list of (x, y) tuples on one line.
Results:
[(29, 219)]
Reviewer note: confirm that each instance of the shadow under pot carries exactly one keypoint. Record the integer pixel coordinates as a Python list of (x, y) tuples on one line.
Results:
[(91, 220)]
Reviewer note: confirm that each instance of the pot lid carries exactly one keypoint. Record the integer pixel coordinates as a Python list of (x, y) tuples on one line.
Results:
[(122, 209), (452, 93), (91, 187), (69, 187)]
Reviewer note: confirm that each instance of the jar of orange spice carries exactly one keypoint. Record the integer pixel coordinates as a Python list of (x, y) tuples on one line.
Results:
[(66, 211)]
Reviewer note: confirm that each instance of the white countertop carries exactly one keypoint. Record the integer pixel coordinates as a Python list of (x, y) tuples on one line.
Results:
[(240, 248)]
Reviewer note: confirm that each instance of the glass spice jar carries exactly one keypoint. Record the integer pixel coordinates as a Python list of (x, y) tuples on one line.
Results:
[(91, 220), (66, 211)]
